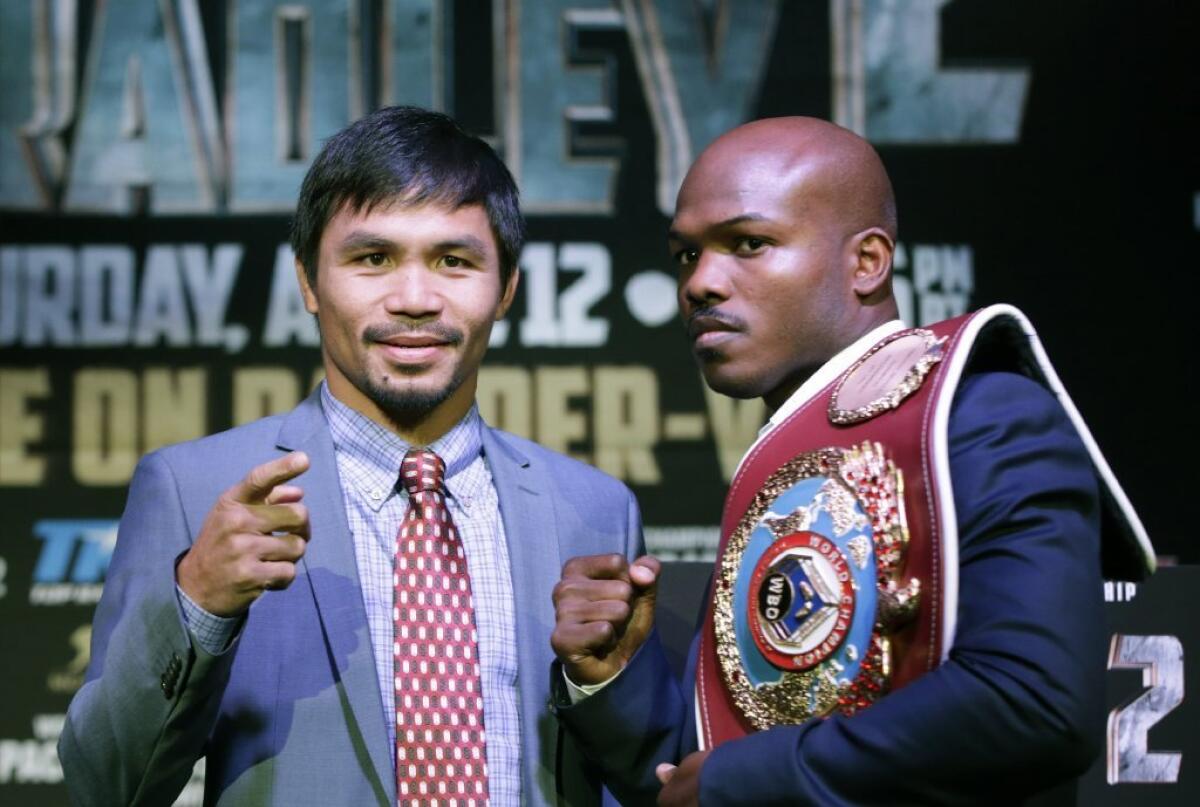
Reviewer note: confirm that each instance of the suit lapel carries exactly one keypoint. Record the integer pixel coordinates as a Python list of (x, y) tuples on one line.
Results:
[(530, 530), (332, 572)]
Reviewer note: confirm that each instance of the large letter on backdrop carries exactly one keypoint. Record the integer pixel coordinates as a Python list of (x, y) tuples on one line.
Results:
[(37, 60), (18, 185), (414, 64), (288, 88), (149, 119), (701, 72), (889, 86), (546, 95)]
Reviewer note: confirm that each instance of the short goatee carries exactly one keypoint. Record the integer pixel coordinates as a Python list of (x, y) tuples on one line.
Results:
[(405, 405)]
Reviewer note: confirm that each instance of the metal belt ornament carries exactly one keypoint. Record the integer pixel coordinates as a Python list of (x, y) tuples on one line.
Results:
[(807, 589), (813, 585)]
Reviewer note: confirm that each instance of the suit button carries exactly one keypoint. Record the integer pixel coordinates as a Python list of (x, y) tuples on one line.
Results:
[(168, 688)]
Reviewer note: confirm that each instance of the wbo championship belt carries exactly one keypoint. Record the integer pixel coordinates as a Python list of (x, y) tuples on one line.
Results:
[(826, 592), (837, 572)]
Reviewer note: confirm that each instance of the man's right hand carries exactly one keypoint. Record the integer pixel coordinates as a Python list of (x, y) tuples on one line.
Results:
[(604, 608), (251, 540)]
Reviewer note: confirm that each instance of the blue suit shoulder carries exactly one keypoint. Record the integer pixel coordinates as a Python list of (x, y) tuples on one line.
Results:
[(209, 465), (264, 431), (1006, 426), (1001, 396), (568, 472)]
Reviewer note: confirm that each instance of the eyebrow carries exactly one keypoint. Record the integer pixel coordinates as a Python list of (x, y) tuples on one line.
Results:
[(467, 242), (675, 235), (364, 239)]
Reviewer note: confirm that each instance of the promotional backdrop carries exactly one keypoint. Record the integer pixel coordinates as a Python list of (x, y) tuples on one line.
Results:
[(1043, 154)]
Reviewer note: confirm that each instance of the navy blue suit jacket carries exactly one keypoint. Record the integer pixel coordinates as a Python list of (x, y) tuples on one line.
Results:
[(1017, 706)]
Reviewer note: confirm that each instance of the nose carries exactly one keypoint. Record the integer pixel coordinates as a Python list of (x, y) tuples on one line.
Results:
[(705, 283), (413, 293)]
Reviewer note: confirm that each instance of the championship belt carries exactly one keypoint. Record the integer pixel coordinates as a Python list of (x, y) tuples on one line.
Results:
[(836, 574), (824, 589)]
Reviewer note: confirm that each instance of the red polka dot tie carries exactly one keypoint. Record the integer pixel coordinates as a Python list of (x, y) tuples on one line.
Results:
[(440, 756)]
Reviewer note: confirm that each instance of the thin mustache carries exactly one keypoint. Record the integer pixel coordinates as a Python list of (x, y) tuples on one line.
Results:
[(707, 312), (433, 330)]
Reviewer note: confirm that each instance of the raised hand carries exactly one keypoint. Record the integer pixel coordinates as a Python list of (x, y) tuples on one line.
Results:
[(250, 541), (604, 609)]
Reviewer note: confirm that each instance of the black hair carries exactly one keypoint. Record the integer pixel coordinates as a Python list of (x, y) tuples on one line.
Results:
[(411, 156)]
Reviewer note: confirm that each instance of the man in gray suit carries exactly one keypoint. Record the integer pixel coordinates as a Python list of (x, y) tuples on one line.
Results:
[(284, 602)]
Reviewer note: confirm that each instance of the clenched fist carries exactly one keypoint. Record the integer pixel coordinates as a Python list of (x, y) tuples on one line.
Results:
[(604, 608), (250, 541)]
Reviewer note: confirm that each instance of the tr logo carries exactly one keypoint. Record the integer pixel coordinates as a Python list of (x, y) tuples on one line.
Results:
[(74, 551), (74, 558)]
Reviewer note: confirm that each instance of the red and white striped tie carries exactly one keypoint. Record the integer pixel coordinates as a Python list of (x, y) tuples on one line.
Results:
[(440, 746)]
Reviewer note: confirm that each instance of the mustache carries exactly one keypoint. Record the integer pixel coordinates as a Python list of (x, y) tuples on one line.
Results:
[(707, 315), (436, 331)]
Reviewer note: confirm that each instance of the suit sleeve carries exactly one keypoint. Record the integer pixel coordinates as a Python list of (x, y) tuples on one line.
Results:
[(150, 698), (1018, 705)]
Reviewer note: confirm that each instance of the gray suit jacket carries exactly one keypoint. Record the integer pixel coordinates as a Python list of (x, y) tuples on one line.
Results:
[(291, 714)]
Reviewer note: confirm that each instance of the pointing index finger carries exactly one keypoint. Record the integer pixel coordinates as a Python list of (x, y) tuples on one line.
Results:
[(262, 479)]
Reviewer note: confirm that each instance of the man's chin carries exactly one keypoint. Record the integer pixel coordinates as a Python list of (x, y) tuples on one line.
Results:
[(719, 379), (406, 401)]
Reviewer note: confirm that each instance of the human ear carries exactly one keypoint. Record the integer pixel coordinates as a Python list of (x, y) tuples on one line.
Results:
[(507, 295), (310, 296), (873, 263)]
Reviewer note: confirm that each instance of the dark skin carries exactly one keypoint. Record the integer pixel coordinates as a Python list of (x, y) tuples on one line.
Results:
[(781, 261), (783, 234), (604, 608)]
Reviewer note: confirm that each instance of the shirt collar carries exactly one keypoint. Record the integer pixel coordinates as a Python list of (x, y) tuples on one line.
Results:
[(377, 451), (829, 371)]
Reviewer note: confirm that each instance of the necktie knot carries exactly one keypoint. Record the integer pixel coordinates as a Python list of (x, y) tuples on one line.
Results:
[(421, 470)]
